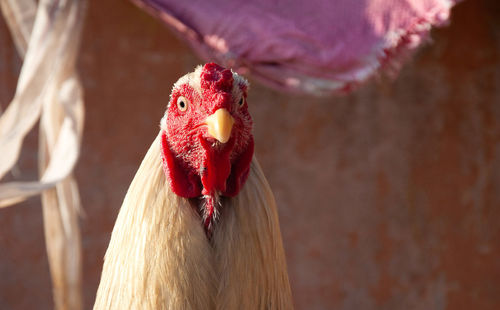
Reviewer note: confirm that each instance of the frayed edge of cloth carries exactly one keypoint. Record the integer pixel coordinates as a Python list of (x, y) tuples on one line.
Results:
[(396, 48)]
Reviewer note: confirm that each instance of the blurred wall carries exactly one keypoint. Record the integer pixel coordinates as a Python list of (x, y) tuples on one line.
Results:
[(389, 198)]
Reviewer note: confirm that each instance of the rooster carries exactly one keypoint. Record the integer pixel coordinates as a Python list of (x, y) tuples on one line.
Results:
[(198, 228)]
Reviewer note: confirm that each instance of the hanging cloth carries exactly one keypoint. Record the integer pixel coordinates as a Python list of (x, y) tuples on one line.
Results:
[(313, 46)]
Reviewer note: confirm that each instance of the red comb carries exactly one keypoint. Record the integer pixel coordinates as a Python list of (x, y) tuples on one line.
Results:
[(216, 78)]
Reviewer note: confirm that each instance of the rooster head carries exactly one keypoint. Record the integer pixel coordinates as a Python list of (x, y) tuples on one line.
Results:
[(207, 142)]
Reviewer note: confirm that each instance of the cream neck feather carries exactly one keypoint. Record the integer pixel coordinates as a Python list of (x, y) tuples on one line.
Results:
[(160, 258)]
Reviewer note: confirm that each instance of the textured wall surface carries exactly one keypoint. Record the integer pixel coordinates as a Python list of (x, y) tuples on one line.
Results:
[(389, 198)]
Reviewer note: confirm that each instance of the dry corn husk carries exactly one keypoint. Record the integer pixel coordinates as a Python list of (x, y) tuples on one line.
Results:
[(47, 37)]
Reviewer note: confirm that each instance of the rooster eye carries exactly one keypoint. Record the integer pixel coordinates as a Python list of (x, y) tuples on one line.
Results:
[(241, 102), (182, 103)]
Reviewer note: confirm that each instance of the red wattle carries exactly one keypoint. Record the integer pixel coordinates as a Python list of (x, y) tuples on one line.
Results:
[(216, 167), (183, 182), (239, 171), (218, 173)]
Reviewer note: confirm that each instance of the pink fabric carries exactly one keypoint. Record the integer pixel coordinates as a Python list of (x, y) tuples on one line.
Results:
[(313, 46)]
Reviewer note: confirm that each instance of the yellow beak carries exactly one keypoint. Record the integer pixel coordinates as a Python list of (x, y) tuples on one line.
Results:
[(220, 125)]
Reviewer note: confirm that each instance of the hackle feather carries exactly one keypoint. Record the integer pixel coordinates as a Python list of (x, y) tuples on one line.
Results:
[(160, 258)]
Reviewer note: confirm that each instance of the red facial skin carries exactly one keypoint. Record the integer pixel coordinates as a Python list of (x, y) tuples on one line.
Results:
[(196, 164)]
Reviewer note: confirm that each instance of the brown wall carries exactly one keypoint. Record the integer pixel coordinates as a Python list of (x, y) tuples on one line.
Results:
[(389, 198)]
